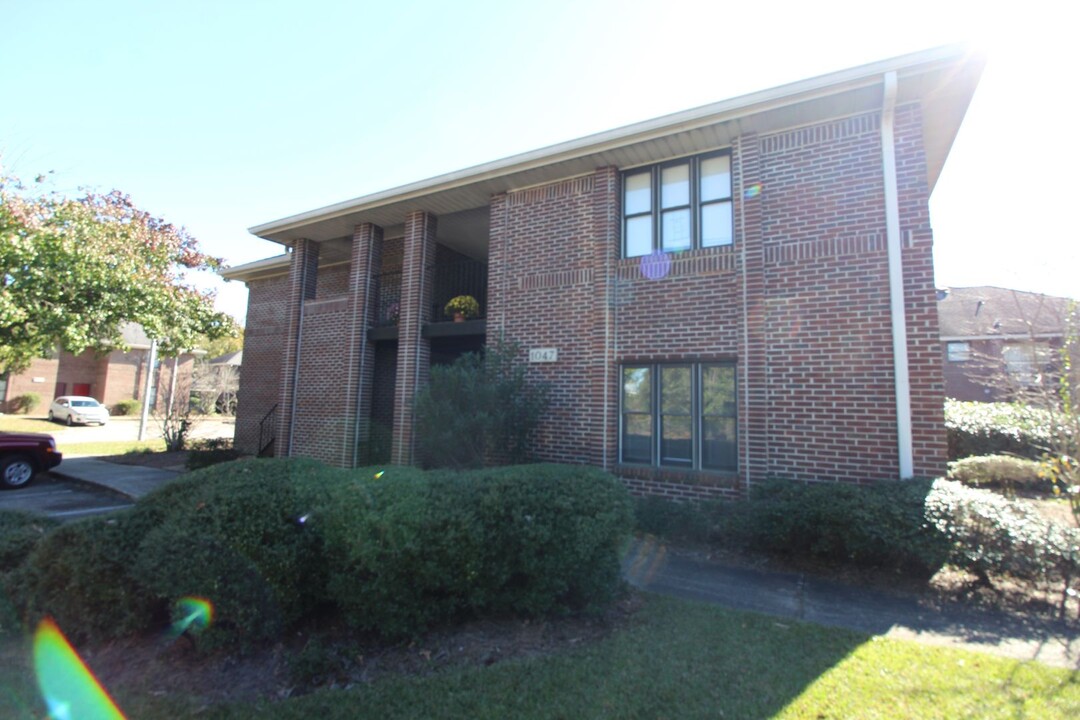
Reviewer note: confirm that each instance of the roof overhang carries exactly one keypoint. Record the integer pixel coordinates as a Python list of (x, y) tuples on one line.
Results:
[(943, 80), (266, 267)]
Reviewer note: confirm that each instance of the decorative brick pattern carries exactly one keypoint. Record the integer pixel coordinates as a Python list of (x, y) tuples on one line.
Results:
[(414, 351), (303, 277), (366, 264)]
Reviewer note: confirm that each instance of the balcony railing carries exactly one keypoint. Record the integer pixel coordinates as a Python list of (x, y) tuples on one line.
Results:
[(387, 298), (464, 277)]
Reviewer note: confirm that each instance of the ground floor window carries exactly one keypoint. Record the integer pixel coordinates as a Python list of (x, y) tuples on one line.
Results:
[(680, 415)]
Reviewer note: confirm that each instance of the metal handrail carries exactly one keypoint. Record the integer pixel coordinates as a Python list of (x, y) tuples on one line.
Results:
[(263, 442)]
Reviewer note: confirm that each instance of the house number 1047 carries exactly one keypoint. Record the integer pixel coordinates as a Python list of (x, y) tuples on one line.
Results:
[(543, 355)]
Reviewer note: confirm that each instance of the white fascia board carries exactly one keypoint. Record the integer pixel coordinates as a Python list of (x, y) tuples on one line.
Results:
[(724, 110)]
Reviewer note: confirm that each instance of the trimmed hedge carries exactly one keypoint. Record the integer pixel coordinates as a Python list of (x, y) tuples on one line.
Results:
[(413, 549), (988, 533), (20, 532), (130, 406), (880, 525), (1001, 471), (978, 428), (273, 542)]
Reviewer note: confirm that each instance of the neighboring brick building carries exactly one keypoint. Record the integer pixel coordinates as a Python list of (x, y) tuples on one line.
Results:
[(109, 378), (996, 342), (713, 295)]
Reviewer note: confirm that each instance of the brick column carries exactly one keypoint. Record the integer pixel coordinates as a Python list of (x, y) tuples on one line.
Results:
[(753, 362), (366, 264), (414, 351), (603, 369), (303, 274)]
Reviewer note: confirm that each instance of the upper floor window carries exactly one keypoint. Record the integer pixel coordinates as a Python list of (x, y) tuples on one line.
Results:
[(680, 205)]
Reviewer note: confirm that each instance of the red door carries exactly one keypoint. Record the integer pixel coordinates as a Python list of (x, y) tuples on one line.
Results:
[(81, 389)]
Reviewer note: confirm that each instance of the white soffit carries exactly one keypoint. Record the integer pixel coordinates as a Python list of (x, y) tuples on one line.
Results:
[(943, 79)]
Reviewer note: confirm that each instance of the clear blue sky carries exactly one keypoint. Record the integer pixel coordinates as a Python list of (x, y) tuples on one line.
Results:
[(222, 115)]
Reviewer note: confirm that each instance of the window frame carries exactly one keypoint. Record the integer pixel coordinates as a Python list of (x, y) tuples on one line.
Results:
[(697, 415), (958, 351), (695, 207)]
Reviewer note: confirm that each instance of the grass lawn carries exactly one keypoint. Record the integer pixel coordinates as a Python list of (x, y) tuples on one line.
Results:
[(110, 447), (678, 660), (22, 423)]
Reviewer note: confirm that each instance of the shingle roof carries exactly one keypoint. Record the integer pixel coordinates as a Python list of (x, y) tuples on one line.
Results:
[(987, 311)]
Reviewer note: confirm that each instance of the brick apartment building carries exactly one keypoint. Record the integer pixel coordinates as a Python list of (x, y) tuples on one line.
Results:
[(734, 292), (1000, 345), (108, 378)]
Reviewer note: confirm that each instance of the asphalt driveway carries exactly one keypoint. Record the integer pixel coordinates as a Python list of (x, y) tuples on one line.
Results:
[(62, 499)]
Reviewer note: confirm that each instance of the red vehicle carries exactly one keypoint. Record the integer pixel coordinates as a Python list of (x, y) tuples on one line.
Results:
[(24, 455)]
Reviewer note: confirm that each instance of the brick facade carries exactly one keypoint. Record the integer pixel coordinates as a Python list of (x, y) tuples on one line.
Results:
[(108, 378), (798, 304)]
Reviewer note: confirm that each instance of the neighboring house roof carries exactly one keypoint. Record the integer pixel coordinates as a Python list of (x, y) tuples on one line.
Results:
[(233, 358), (134, 336), (942, 80), (991, 312)]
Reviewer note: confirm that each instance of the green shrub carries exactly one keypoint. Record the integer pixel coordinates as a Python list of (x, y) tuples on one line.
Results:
[(20, 532), (412, 549), (480, 409), (880, 525), (977, 428), (992, 534), (79, 575), (180, 559), (1000, 471), (210, 451), (25, 403), (131, 406), (250, 510)]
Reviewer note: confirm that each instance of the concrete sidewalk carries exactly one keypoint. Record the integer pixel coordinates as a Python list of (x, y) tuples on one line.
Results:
[(653, 566), (132, 481)]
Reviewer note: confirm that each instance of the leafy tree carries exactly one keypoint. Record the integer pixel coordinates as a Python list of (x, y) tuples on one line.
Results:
[(74, 271)]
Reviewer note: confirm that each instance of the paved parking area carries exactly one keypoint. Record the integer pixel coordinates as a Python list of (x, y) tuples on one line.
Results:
[(62, 499)]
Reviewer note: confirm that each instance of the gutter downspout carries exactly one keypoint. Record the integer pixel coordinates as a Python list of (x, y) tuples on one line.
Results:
[(299, 342), (896, 281)]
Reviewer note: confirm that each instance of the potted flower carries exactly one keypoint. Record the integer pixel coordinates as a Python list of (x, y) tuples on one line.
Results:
[(462, 308)]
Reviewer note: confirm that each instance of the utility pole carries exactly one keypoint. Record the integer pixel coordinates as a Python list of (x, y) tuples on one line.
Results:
[(150, 362)]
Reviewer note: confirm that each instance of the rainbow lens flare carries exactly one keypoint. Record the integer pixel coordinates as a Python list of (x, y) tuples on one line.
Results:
[(752, 191), (379, 474), (70, 690), (192, 614), (655, 265)]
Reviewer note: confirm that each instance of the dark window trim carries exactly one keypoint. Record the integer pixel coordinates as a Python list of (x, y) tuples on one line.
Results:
[(697, 416), (695, 207)]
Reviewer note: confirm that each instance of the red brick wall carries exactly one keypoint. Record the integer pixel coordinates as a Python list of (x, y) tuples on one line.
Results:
[(23, 383), (264, 342), (414, 350), (813, 343), (333, 281)]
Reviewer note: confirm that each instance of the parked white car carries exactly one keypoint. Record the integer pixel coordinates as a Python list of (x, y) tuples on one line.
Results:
[(71, 409)]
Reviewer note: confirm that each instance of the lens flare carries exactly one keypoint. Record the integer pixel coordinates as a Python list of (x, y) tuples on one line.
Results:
[(655, 265), (379, 474), (752, 191), (70, 690), (192, 614)]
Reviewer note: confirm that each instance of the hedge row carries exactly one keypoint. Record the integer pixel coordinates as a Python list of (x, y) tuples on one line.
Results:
[(917, 525), (978, 428), (273, 542)]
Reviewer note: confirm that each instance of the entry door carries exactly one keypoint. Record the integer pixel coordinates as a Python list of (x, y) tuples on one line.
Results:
[(81, 389)]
